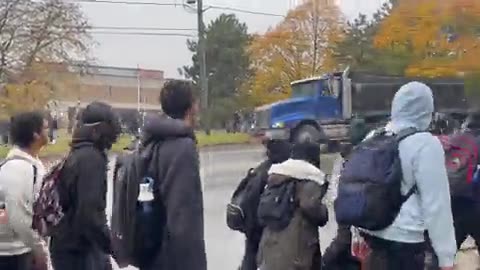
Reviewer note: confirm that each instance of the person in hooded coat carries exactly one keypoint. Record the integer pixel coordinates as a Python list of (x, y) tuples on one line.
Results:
[(297, 246), (82, 239), (278, 151), (178, 188), (402, 245)]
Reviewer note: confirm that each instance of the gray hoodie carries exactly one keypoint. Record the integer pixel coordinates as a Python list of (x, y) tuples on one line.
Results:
[(16, 181), (423, 164)]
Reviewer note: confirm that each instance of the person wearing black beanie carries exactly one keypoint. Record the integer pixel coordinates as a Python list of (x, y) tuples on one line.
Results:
[(82, 238), (277, 151)]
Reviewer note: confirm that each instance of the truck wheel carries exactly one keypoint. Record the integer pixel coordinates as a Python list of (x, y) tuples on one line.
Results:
[(307, 133)]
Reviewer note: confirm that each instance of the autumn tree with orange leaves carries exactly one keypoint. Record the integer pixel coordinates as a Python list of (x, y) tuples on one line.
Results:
[(441, 36), (298, 47), (35, 87)]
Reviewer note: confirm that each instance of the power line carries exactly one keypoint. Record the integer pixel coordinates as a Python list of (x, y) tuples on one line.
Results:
[(126, 2), (239, 10), (88, 28), (247, 11), (141, 34), (140, 28)]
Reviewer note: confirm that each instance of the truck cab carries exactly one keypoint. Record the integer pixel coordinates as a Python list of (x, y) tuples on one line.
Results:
[(313, 101)]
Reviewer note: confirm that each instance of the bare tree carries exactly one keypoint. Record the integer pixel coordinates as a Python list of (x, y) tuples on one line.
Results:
[(40, 31)]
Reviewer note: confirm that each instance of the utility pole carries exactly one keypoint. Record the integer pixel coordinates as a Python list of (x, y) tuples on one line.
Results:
[(201, 51)]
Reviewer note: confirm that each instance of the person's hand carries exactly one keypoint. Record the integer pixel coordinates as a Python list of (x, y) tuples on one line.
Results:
[(40, 260), (324, 188)]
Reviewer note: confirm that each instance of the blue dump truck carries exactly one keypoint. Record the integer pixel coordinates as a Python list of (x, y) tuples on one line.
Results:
[(322, 108)]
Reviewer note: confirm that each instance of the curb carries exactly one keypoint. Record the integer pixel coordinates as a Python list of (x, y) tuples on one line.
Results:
[(216, 147), (227, 146)]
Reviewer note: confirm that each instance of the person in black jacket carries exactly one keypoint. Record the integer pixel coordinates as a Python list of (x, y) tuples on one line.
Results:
[(177, 186), (338, 255), (465, 211), (278, 151), (82, 239)]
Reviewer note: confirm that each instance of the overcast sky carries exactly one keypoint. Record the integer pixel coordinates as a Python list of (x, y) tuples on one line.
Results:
[(169, 53)]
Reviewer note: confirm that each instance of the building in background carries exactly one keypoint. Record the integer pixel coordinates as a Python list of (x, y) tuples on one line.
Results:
[(117, 86), (131, 92)]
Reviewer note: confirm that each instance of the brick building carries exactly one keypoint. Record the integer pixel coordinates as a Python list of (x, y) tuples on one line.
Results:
[(114, 85)]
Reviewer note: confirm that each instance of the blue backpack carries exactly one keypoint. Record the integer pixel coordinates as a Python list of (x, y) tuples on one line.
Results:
[(369, 190)]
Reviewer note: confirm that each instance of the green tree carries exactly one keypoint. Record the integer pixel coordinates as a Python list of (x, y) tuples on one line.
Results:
[(227, 65)]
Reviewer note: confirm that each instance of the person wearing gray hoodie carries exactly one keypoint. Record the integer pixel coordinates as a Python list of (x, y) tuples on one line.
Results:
[(401, 245)]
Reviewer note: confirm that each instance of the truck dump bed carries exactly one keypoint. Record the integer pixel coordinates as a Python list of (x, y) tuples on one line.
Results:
[(372, 94)]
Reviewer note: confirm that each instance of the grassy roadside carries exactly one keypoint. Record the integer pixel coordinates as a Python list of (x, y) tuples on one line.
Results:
[(215, 138)]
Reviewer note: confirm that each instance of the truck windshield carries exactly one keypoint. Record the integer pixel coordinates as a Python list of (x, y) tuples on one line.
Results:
[(303, 89)]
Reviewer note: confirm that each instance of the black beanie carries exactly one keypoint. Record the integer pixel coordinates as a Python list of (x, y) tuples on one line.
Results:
[(97, 112), (307, 151), (278, 150)]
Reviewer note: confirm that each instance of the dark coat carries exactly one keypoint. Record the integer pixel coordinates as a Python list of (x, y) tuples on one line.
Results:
[(180, 192), (254, 229), (297, 246), (83, 189), (277, 152)]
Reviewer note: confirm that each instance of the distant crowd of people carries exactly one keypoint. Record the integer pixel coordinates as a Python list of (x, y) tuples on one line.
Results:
[(403, 192)]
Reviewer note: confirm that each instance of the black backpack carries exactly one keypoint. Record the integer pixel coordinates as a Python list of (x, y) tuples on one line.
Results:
[(369, 189), (277, 205), (137, 215), (242, 209)]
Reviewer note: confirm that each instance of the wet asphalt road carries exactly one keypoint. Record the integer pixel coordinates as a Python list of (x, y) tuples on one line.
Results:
[(221, 170)]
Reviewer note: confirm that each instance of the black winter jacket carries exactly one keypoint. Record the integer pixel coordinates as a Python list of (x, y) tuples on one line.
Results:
[(83, 189), (180, 190)]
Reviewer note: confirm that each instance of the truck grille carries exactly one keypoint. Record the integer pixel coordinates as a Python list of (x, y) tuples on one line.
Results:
[(262, 119)]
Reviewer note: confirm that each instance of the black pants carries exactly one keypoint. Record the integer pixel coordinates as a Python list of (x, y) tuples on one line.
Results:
[(80, 260), (252, 243), (466, 219), (388, 255), (346, 264), (17, 262)]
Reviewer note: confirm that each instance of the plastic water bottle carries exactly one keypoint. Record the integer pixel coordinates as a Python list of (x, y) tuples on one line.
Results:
[(145, 196)]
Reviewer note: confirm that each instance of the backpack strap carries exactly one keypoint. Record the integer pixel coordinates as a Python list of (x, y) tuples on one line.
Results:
[(35, 169), (403, 134), (409, 193), (35, 174)]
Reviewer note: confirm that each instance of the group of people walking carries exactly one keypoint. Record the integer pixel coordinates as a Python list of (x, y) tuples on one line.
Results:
[(395, 193), (58, 220), (398, 195)]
